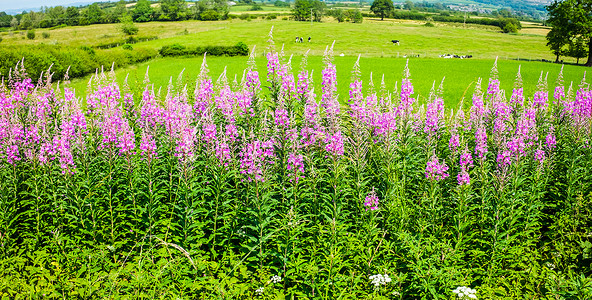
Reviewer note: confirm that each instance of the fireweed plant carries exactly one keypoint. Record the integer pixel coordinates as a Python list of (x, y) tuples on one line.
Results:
[(209, 191)]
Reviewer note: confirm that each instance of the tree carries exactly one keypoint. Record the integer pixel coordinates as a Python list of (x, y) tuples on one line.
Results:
[(302, 10), (409, 5), (382, 8), (72, 16), (142, 11), (570, 20), (93, 14), (127, 26), (577, 49), (173, 10)]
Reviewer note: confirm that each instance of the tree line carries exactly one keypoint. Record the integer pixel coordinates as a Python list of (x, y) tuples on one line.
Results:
[(103, 13)]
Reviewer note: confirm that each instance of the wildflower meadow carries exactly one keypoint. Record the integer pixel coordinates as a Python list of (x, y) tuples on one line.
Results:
[(265, 188)]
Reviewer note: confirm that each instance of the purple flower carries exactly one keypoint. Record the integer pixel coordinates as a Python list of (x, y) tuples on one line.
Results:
[(539, 155), (281, 117), (371, 202), (481, 142), (435, 170), (550, 140), (463, 177), (296, 165), (334, 144)]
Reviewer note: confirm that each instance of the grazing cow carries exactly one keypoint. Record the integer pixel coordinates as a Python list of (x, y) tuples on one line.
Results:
[(297, 39), (309, 39), (396, 42), (301, 39)]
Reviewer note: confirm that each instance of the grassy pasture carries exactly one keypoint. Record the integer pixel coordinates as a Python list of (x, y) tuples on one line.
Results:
[(460, 75), (371, 38)]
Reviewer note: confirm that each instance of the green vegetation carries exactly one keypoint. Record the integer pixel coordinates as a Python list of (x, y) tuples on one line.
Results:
[(31, 34), (460, 75), (382, 8), (571, 34), (80, 61), (304, 10), (240, 49), (127, 25)]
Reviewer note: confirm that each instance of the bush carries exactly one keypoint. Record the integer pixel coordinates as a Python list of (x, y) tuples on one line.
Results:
[(209, 15), (131, 40), (240, 49), (45, 35), (81, 61), (31, 34), (127, 47), (173, 50), (244, 16), (510, 28), (256, 7), (429, 24)]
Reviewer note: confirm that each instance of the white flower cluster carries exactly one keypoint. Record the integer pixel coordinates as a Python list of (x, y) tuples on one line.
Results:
[(259, 291), (464, 292), (379, 279), (276, 278)]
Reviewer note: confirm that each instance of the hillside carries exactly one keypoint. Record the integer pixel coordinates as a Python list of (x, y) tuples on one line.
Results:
[(529, 8)]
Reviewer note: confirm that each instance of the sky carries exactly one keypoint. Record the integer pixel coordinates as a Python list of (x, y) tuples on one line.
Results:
[(28, 4)]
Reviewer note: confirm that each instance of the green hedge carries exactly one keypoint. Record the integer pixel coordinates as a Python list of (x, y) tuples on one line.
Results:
[(411, 15), (129, 40), (82, 61), (239, 49)]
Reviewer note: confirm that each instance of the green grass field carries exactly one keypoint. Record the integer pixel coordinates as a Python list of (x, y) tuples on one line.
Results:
[(370, 39), (461, 75)]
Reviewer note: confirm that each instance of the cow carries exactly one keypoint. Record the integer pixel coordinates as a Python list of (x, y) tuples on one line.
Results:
[(396, 42)]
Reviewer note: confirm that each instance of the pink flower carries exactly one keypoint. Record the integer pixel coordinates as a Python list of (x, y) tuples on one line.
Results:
[(435, 170), (371, 202)]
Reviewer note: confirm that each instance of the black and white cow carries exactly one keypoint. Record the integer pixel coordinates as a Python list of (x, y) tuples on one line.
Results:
[(396, 42)]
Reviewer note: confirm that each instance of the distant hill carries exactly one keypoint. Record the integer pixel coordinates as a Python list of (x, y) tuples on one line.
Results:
[(534, 8)]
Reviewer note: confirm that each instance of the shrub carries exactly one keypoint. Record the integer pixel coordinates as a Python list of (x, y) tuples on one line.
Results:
[(173, 50), (31, 34), (127, 47), (510, 28), (256, 7), (209, 15), (45, 35), (131, 40), (429, 24)]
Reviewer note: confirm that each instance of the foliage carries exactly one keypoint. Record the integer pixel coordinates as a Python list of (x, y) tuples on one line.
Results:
[(303, 10), (142, 11), (127, 26), (280, 3), (31, 34), (273, 190), (180, 50), (173, 10), (510, 28), (76, 61), (45, 34), (256, 7), (571, 22), (382, 8)]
